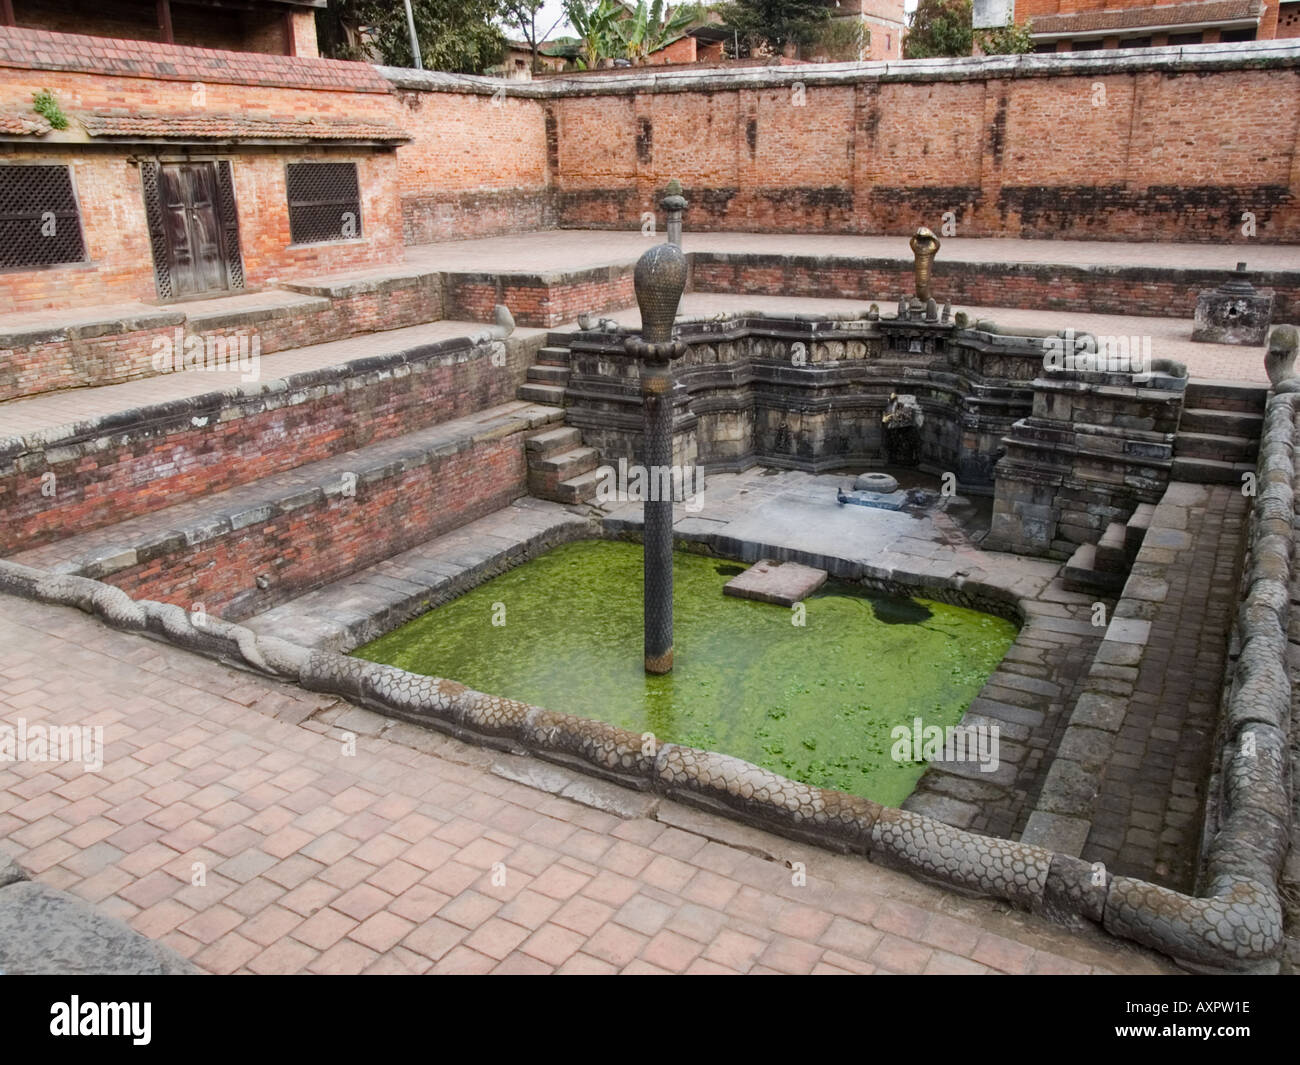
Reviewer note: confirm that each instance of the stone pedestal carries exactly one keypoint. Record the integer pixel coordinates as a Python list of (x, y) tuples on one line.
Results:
[(1234, 313)]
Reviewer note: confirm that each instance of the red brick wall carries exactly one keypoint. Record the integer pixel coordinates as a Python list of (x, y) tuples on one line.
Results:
[(168, 459), (537, 303), (1159, 294), (120, 261), (313, 545), (884, 157), (682, 50), (202, 27), (477, 165), (76, 361), (109, 188)]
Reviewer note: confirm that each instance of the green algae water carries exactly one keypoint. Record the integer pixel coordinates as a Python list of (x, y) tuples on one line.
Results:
[(816, 702)]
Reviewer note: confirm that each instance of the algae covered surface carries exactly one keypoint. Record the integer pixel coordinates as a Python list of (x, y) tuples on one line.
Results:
[(815, 701)]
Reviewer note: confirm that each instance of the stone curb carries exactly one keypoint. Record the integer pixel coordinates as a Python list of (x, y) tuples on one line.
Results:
[(1266, 55), (1239, 926)]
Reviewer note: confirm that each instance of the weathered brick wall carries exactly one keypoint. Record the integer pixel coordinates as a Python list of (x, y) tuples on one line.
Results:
[(1164, 293), (321, 542), (108, 186), (184, 451), (477, 165), (74, 356), (537, 302), (1097, 151)]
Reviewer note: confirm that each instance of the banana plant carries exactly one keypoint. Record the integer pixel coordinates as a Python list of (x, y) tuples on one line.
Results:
[(595, 24), (645, 30)]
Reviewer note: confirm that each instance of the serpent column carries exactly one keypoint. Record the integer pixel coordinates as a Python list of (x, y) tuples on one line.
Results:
[(659, 281)]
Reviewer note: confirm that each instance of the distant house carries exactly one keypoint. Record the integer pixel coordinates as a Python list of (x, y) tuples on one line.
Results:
[(1088, 25)]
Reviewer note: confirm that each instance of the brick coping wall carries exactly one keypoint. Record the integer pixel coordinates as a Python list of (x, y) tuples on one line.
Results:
[(86, 476)]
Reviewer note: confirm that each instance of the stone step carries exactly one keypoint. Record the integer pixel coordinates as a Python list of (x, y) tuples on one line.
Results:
[(1135, 530), (552, 442), (218, 431), (1111, 555), (1247, 425), (1213, 446), (245, 549), (548, 375), (553, 355), (1244, 396), (551, 395), (568, 463), (1209, 471), (581, 489), (1081, 573)]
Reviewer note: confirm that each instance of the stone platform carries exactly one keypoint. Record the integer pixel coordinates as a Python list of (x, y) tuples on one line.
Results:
[(771, 581)]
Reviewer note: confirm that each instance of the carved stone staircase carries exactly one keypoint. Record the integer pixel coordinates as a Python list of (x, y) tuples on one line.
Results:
[(1103, 567), (1218, 435), (560, 467)]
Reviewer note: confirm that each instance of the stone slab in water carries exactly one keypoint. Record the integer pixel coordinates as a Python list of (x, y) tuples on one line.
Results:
[(769, 581)]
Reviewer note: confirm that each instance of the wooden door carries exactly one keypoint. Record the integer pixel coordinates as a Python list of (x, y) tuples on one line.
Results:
[(196, 255)]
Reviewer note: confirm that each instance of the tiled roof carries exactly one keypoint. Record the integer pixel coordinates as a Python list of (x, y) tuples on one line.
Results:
[(1185, 14), (12, 124), (43, 50), (234, 128)]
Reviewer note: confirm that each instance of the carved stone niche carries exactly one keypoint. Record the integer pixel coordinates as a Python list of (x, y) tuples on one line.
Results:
[(1234, 313)]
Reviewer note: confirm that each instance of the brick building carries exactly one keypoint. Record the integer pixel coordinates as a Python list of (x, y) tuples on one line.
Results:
[(1085, 25), (883, 21), (160, 170)]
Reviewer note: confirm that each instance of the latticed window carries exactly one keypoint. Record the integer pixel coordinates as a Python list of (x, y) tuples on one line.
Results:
[(324, 202), (39, 223)]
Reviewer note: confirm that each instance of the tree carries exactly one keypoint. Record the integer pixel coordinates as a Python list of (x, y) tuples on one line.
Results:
[(943, 28), (646, 30), (1011, 39), (523, 13), (455, 35), (939, 28), (595, 24), (772, 24)]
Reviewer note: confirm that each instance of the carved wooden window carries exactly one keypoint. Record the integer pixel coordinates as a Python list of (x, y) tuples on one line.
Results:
[(39, 221), (324, 202)]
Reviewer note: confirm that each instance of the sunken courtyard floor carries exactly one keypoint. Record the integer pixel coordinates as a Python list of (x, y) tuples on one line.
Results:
[(383, 860)]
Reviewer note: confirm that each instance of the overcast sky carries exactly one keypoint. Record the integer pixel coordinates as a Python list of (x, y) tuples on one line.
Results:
[(554, 9)]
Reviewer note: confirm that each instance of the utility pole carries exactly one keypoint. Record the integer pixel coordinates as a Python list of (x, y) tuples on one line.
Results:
[(415, 41)]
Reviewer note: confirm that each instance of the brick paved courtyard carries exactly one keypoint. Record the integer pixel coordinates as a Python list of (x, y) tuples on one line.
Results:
[(421, 854)]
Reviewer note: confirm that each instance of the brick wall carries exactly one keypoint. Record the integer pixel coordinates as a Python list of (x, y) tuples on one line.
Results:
[(187, 450), (477, 165), (1165, 293), (192, 82), (119, 264), (1037, 156), (537, 302), (315, 544), (72, 356)]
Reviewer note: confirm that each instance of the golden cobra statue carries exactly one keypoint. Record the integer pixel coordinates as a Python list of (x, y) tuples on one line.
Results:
[(924, 247)]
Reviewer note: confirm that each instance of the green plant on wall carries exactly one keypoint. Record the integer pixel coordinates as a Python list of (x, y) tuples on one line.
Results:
[(45, 105)]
